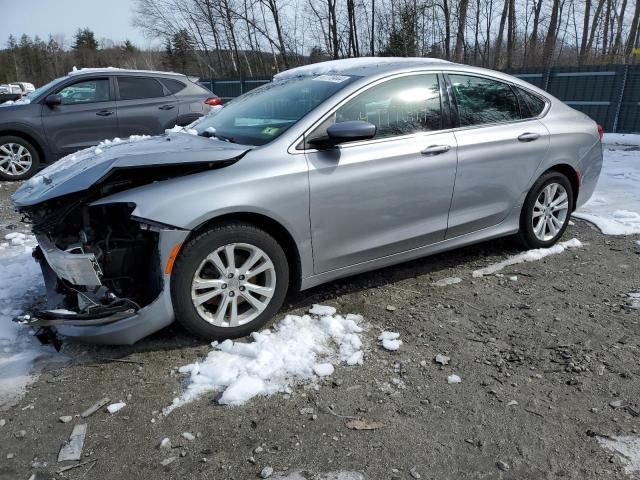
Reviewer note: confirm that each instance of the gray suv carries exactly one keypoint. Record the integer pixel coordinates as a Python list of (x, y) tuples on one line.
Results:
[(89, 105)]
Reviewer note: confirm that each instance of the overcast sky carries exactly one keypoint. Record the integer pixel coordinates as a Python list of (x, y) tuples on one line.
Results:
[(107, 18)]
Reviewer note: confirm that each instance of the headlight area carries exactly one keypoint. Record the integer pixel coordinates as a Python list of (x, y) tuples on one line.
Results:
[(98, 263)]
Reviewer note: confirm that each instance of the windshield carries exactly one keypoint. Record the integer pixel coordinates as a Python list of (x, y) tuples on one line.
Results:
[(263, 114)]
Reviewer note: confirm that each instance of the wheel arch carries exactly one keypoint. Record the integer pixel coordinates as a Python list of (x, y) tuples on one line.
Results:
[(29, 138), (269, 225), (572, 175)]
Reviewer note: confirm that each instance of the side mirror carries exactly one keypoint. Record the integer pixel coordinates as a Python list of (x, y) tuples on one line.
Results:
[(342, 132), (53, 100)]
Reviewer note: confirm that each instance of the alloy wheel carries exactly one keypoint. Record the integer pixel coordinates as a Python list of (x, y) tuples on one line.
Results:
[(550, 212), (15, 159), (233, 285)]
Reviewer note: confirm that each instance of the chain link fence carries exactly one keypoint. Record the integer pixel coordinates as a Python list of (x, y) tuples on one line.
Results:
[(610, 94)]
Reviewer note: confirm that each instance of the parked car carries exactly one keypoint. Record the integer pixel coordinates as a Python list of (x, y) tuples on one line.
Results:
[(329, 171), (26, 87), (9, 93), (89, 105)]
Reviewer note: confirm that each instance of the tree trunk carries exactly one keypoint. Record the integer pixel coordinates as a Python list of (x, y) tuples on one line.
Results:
[(447, 29), (633, 33), (585, 33), (462, 25), (533, 42), (503, 20), (552, 34)]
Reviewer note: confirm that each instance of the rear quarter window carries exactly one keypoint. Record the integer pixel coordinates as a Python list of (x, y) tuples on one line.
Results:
[(174, 86), (534, 103)]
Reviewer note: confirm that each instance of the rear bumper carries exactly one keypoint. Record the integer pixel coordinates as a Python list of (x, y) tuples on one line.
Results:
[(123, 327)]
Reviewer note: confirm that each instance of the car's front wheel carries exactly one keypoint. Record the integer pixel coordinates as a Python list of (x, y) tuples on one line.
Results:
[(19, 159), (546, 210), (229, 281)]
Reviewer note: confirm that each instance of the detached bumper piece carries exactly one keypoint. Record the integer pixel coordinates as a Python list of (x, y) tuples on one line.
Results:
[(102, 315)]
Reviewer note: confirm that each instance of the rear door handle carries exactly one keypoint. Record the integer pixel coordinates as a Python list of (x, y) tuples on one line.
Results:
[(166, 107), (435, 150), (104, 113), (529, 137)]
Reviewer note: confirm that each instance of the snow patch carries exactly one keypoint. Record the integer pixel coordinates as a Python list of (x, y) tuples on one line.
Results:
[(298, 349), (20, 284), (630, 139), (43, 176), (447, 281), (114, 407), (628, 450), (615, 205), (528, 256), (336, 66)]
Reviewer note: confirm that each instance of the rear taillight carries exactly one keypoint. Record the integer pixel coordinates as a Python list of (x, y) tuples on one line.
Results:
[(213, 101), (600, 131)]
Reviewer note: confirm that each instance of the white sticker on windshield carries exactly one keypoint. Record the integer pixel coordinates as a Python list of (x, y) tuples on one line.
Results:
[(331, 78)]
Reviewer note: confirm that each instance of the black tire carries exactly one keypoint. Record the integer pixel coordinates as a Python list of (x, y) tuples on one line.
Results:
[(527, 234), (194, 252), (33, 151)]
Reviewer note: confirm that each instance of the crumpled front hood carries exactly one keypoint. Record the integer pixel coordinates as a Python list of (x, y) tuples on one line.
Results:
[(81, 170)]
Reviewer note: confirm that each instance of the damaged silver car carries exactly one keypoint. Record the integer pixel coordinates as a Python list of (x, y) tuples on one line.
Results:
[(330, 170)]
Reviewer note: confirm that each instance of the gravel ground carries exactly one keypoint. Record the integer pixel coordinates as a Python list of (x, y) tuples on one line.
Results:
[(541, 358)]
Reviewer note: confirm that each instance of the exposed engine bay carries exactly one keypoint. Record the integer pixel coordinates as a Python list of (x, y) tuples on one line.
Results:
[(104, 261), (97, 261)]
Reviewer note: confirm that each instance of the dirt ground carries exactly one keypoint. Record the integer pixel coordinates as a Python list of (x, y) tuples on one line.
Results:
[(560, 341)]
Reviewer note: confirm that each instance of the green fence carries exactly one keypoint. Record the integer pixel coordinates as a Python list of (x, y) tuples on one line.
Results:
[(610, 94)]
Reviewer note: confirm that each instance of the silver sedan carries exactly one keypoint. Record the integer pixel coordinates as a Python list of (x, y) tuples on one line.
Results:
[(330, 170)]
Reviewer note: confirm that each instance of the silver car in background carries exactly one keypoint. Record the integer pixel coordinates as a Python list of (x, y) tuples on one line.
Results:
[(330, 170)]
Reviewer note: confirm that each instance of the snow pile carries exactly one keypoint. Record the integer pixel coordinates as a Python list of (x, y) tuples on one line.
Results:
[(335, 66), (528, 256), (390, 341), (20, 284), (299, 348), (628, 450), (615, 205)]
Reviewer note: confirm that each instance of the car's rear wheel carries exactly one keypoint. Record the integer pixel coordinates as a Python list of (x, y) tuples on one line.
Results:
[(19, 159), (546, 211), (229, 281)]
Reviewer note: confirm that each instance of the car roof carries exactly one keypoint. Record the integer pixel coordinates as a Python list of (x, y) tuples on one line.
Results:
[(121, 71)]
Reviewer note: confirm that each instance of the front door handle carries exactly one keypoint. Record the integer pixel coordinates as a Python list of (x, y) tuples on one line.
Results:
[(104, 113), (435, 150), (166, 107), (529, 137)]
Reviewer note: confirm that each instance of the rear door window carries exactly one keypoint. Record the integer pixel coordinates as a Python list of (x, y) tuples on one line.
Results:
[(400, 106), (484, 101), (135, 88)]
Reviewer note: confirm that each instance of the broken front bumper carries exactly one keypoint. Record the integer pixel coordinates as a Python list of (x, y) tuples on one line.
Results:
[(124, 326)]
